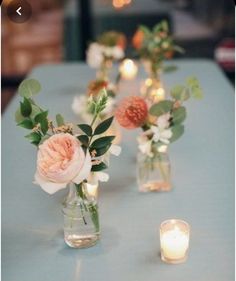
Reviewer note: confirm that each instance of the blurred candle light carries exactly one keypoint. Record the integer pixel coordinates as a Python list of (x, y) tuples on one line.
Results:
[(158, 94), (128, 69), (174, 239), (118, 4), (92, 189)]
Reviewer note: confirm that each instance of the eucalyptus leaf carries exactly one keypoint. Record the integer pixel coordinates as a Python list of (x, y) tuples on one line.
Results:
[(104, 126), (179, 115), (161, 108), (86, 129), (197, 93), (102, 142), (27, 124), (25, 108), (192, 81), (180, 92), (60, 120), (177, 132), (99, 167), (18, 116), (29, 87)]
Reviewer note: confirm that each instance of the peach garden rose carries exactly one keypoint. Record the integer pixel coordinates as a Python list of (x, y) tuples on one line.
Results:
[(61, 160)]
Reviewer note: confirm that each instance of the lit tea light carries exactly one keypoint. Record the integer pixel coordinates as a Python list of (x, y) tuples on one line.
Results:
[(158, 94), (128, 69), (92, 189), (162, 148), (174, 239)]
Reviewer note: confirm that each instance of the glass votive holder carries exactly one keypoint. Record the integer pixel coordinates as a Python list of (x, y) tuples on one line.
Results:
[(174, 241)]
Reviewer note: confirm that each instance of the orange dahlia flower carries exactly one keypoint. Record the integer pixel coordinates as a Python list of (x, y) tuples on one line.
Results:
[(138, 38), (132, 112), (95, 86)]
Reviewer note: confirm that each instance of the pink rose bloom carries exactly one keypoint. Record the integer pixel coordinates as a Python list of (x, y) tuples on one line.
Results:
[(61, 160)]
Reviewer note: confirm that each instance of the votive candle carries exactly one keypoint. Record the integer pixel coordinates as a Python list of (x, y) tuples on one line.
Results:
[(174, 239)]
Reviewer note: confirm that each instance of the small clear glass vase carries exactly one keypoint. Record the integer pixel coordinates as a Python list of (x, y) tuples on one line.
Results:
[(81, 219), (153, 173)]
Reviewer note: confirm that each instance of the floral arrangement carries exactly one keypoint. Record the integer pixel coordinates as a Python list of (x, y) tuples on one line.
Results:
[(83, 107), (108, 48), (65, 156), (101, 55), (162, 123), (155, 46)]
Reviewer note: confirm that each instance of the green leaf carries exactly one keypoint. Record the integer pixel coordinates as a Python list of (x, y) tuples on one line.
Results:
[(93, 209), (161, 108), (18, 116), (197, 93), (83, 139), (29, 87), (177, 132), (86, 129), (179, 49), (169, 68), (99, 167), (180, 92), (41, 116), (165, 26), (42, 119), (25, 108), (179, 115), (102, 127), (44, 126), (102, 142), (34, 138), (145, 30), (60, 120), (102, 150), (27, 124), (192, 81)]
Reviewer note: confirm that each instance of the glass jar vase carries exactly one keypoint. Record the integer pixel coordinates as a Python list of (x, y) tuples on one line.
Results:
[(153, 173), (81, 219)]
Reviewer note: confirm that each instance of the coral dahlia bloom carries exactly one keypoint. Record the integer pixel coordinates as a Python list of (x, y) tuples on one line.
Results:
[(132, 112), (138, 38)]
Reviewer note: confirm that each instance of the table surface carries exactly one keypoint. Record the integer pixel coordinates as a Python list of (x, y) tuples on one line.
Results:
[(203, 193)]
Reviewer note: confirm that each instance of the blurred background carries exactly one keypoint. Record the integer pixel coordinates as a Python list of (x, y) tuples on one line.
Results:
[(60, 30)]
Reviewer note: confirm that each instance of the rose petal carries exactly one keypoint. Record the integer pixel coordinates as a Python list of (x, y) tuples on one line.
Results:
[(85, 170), (49, 187)]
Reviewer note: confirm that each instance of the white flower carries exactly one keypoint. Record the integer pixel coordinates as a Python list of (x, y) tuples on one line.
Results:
[(94, 178), (163, 121), (115, 150), (80, 107), (161, 131), (95, 55), (145, 145), (118, 53), (161, 134)]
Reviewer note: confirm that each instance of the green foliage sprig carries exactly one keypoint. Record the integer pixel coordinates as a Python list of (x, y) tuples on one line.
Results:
[(157, 46), (32, 117), (179, 94)]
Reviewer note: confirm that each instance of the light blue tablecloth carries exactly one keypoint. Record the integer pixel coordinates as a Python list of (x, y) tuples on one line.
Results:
[(203, 177)]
